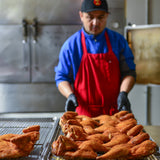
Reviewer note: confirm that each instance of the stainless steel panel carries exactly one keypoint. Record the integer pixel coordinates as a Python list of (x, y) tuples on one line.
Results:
[(116, 3), (154, 105), (48, 11), (137, 98), (116, 20), (45, 52), (14, 55), (31, 98)]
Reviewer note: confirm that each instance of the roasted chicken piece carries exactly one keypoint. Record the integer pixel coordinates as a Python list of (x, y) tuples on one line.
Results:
[(95, 145), (82, 118), (117, 139), (90, 122), (110, 131), (139, 138), (120, 114), (31, 129), (68, 124), (80, 154), (101, 137), (135, 130), (124, 123), (102, 128), (126, 127), (143, 149), (76, 133), (18, 145), (105, 119), (126, 116), (117, 152), (24, 142), (66, 116), (89, 130), (63, 144)]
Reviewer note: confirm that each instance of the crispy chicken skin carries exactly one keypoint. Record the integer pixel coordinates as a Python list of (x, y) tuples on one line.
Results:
[(31, 128), (127, 116), (102, 137), (135, 130), (65, 128), (81, 154), (113, 137), (120, 114), (63, 144), (126, 127), (89, 130), (105, 119), (18, 145), (66, 116), (76, 133), (96, 146), (110, 130), (91, 123), (117, 139), (145, 148), (82, 118), (139, 138), (118, 151), (124, 123), (102, 128)]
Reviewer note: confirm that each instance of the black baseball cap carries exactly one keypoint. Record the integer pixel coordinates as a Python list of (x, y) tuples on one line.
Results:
[(93, 5)]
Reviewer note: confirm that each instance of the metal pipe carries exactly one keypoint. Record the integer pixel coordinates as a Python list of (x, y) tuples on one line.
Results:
[(147, 11), (147, 104)]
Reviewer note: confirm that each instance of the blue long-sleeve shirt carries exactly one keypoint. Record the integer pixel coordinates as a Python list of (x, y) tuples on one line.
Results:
[(71, 54)]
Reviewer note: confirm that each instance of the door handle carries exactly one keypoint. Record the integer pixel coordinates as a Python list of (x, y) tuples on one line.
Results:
[(25, 31), (24, 42), (35, 29), (35, 40)]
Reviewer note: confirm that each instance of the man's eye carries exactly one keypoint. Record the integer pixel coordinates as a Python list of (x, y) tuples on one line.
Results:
[(101, 17), (90, 17)]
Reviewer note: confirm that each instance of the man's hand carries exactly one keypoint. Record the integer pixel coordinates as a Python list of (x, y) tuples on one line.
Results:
[(123, 102), (71, 103)]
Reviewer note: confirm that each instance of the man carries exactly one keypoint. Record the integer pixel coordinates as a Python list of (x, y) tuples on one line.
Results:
[(96, 69)]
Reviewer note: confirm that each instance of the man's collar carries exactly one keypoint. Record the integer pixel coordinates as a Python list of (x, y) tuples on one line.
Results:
[(99, 36)]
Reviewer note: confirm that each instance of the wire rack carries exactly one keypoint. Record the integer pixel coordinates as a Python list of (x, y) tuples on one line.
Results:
[(48, 129)]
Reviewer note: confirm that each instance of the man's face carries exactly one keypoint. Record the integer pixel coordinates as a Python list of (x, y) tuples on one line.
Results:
[(94, 22)]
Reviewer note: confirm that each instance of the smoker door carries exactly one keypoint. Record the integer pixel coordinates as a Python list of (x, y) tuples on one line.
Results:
[(14, 55), (45, 50)]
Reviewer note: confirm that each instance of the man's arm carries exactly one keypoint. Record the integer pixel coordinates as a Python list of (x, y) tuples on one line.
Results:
[(127, 84), (65, 88)]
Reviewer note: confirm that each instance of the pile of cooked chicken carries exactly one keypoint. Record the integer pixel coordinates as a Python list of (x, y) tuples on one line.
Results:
[(19, 145), (101, 138)]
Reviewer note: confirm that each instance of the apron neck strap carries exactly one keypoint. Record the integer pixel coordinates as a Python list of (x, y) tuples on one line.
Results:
[(84, 48), (108, 42)]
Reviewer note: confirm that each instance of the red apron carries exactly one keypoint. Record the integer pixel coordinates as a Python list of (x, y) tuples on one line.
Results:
[(97, 82)]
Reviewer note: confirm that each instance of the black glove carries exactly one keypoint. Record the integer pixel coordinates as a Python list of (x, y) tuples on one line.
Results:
[(71, 103), (123, 102)]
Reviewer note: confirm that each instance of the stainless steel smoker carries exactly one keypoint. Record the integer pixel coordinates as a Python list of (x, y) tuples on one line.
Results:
[(31, 35)]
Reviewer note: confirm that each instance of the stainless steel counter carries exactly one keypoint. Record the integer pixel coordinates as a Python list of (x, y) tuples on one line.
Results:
[(32, 115), (154, 132)]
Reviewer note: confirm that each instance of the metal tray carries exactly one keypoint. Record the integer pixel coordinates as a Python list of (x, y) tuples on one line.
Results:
[(155, 156), (48, 130)]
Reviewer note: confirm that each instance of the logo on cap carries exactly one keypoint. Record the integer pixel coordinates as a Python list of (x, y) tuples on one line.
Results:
[(97, 2)]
